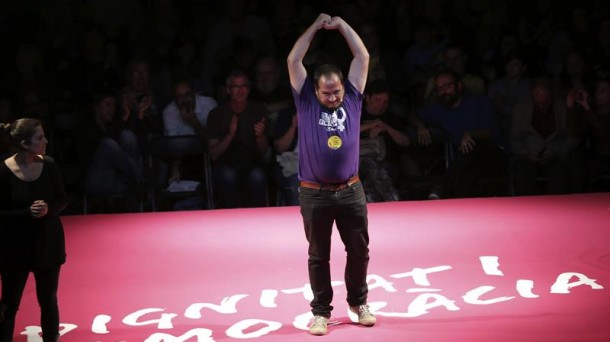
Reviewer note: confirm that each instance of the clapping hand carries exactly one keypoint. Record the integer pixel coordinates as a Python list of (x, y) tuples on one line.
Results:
[(233, 126), (144, 105), (579, 96), (260, 127)]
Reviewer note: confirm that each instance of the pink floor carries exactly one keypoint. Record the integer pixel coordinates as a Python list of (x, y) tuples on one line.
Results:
[(501, 269)]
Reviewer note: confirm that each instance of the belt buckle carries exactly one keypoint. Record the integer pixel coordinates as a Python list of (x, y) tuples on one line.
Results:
[(335, 187)]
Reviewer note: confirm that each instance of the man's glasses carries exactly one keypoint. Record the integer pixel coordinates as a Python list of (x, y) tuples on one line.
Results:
[(238, 86)]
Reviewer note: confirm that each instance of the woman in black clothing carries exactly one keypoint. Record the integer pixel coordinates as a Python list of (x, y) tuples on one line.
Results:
[(31, 233)]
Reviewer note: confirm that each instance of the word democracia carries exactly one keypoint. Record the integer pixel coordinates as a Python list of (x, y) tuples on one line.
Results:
[(426, 299)]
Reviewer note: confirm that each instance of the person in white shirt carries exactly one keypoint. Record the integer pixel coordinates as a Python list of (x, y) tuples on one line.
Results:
[(188, 113)]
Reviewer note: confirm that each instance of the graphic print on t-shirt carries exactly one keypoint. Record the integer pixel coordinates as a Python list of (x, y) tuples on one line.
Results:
[(333, 121)]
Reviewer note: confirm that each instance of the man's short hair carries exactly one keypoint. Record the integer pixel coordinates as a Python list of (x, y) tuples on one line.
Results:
[(186, 81), (136, 60), (326, 70), (515, 55), (445, 71), (235, 73)]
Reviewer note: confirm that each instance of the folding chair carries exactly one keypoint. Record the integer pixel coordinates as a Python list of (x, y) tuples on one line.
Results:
[(171, 148)]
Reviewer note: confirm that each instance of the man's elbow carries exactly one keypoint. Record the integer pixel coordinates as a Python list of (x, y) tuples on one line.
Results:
[(363, 56), (292, 63)]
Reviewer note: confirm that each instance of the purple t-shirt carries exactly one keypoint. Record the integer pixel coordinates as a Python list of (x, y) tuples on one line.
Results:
[(328, 142)]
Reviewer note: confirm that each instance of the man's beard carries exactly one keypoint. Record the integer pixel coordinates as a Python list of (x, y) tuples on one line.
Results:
[(331, 109), (449, 99), (187, 105)]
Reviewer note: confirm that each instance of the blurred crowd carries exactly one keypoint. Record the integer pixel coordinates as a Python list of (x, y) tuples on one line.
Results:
[(464, 98)]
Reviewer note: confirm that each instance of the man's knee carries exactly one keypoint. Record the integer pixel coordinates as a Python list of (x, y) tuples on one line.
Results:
[(225, 174), (257, 175), (107, 146), (47, 301)]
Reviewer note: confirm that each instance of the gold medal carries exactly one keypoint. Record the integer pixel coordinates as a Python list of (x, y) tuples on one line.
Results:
[(334, 142)]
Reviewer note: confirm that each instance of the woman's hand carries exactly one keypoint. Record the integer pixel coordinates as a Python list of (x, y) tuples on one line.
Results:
[(39, 209)]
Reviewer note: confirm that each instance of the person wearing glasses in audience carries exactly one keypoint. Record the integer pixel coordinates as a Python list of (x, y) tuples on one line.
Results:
[(239, 146)]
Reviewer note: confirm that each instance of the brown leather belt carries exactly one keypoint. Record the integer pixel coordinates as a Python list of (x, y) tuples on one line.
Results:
[(331, 186)]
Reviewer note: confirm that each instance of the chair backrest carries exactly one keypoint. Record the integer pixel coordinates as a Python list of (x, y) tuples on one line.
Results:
[(176, 146), (180, 146)]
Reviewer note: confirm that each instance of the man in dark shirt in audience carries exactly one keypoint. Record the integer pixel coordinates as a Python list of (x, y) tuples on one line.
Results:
[(239, 146), (381, 138), (473, 134)]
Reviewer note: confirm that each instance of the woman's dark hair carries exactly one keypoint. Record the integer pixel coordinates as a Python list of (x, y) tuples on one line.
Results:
[(377, 87), (21, 130), (98, 94)]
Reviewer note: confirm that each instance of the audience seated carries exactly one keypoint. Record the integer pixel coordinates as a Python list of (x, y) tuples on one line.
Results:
[(109, 154), (384, 63), (239, 146), (242, 57), (270, 87), (234, 21), (589, 120), (187, 114), (382, 137), (138, 109), (575, 73), (285, 143), (474, 135), (56, 66), (495, 59), (540, 142), (420, 60), (454, 58), (513, 87)]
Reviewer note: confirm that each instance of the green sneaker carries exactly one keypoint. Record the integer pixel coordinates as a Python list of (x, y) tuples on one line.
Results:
[(319, 326), (365, 317)]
